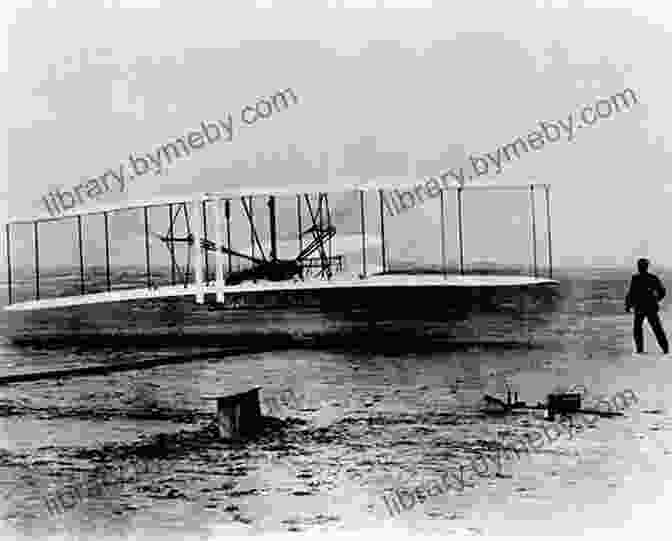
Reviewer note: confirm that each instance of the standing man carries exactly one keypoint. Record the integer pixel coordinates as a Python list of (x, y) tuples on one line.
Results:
[(645, 291)]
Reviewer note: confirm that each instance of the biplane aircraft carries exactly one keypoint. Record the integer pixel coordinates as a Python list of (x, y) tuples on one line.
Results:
[(240, 261)]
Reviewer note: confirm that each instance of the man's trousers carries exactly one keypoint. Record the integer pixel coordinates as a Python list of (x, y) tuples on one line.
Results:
[(656, 327)]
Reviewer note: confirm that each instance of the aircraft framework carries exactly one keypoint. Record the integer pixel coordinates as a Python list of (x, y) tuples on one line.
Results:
[(314, 265)]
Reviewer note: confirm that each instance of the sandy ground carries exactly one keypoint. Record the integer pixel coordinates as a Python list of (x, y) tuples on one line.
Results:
[(369, 423)]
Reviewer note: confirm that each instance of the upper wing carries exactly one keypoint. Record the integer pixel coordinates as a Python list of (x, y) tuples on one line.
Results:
[(238, 191)]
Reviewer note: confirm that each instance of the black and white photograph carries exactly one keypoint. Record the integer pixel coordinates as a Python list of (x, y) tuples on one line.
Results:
[(335, 268)]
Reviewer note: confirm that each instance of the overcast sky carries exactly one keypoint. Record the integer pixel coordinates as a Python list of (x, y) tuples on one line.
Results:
[(384, 91)]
